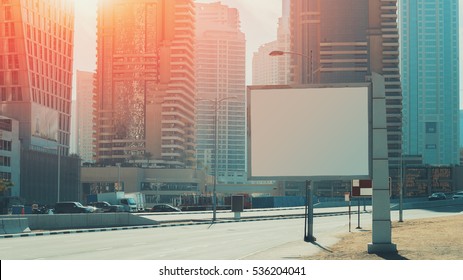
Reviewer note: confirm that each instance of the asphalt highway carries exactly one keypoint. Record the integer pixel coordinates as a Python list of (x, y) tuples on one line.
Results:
[(271, 239)]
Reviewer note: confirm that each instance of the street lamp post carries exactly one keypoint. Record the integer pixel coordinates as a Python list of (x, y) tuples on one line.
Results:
[(402, 181), (308, 226), (216, 102), (401, 189), (308, 57)]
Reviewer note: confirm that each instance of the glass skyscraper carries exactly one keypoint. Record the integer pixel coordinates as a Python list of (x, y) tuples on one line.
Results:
[(36, 58), (430, 80), (221, 74)]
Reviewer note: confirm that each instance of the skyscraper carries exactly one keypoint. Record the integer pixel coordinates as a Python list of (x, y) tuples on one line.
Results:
[(267, 70), (145, 87), (220, 54), (36, 57), (84, 115), (430, 79), (36, 68), (345, 41)]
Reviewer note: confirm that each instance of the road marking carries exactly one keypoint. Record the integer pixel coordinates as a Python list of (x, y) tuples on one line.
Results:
[(139, 244)]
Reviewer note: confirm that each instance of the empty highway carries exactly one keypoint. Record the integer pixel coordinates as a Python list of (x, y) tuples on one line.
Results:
[(273, 239)]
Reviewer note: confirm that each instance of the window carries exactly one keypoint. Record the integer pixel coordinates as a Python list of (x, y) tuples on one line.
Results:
[(5, 161), (19, 94), (5, 125), (15, 77), (5, 145), (3, 95), (8, 13), (431, 127), (11, 45)]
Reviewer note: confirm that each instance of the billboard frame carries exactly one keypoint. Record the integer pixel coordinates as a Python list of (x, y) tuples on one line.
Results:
[(312, 177)]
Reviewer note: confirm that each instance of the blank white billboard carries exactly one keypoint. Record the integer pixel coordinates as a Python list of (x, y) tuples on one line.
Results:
[(309, 133)]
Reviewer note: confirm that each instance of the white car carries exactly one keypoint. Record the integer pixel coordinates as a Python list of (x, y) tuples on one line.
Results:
[(458, 195)]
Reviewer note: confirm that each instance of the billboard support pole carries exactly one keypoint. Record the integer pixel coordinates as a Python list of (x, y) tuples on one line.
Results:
[(309, 210), (350, 217), (358, 213), (306, 213)]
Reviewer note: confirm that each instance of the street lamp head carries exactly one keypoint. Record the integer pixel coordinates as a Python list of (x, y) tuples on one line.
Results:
[(276, 53)]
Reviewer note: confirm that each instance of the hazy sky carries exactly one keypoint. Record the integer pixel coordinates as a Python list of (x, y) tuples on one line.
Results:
[(259, 20)]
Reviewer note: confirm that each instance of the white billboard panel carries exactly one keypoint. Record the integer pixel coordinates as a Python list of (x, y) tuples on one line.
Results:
[(309, 133)]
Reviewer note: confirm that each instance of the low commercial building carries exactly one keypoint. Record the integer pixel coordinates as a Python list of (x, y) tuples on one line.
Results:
[(158, 185)]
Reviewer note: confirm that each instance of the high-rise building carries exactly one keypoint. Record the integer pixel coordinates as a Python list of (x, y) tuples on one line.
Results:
[(36, 57), (345, 41), (145, 81), (221, 85), (84, 115), (430, 79), (267, 70)]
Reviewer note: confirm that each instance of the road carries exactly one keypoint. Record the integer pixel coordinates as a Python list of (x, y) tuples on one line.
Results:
[(271, 240)]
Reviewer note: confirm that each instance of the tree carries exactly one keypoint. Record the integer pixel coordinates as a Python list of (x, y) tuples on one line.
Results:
[(5, 185)]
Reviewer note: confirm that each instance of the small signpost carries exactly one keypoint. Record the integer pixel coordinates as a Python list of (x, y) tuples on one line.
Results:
[(361, 188), (347, 199)]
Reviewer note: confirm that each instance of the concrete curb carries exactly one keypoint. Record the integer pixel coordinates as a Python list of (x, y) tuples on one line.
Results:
[(167, 224)]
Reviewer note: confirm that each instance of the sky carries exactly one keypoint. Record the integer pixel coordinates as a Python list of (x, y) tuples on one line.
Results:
[(259, 20)]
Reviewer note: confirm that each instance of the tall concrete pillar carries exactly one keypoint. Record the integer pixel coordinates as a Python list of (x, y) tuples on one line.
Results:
[(381, 233)]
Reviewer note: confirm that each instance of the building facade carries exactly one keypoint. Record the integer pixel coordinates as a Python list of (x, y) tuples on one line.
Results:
[(10, 155), (36, 58), (345, 41), (221, 87), (159, 185), (430, 79), (84, 117), (145, 82), (268, 70)]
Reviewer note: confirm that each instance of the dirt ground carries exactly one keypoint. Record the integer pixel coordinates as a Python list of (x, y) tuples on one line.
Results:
[(424, 239)]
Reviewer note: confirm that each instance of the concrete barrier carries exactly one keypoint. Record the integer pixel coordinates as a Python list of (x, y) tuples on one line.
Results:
[(1, 227), (14, 225), (109, 219), (429, 204), (76, 221)]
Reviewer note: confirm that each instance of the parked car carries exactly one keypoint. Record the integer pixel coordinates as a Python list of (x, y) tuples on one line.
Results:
[(107, 207), (164, 208), (70, 207), (458, 195), (437, 196)]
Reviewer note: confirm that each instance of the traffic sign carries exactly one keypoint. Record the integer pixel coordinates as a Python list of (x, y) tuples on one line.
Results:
[(362, 188)]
